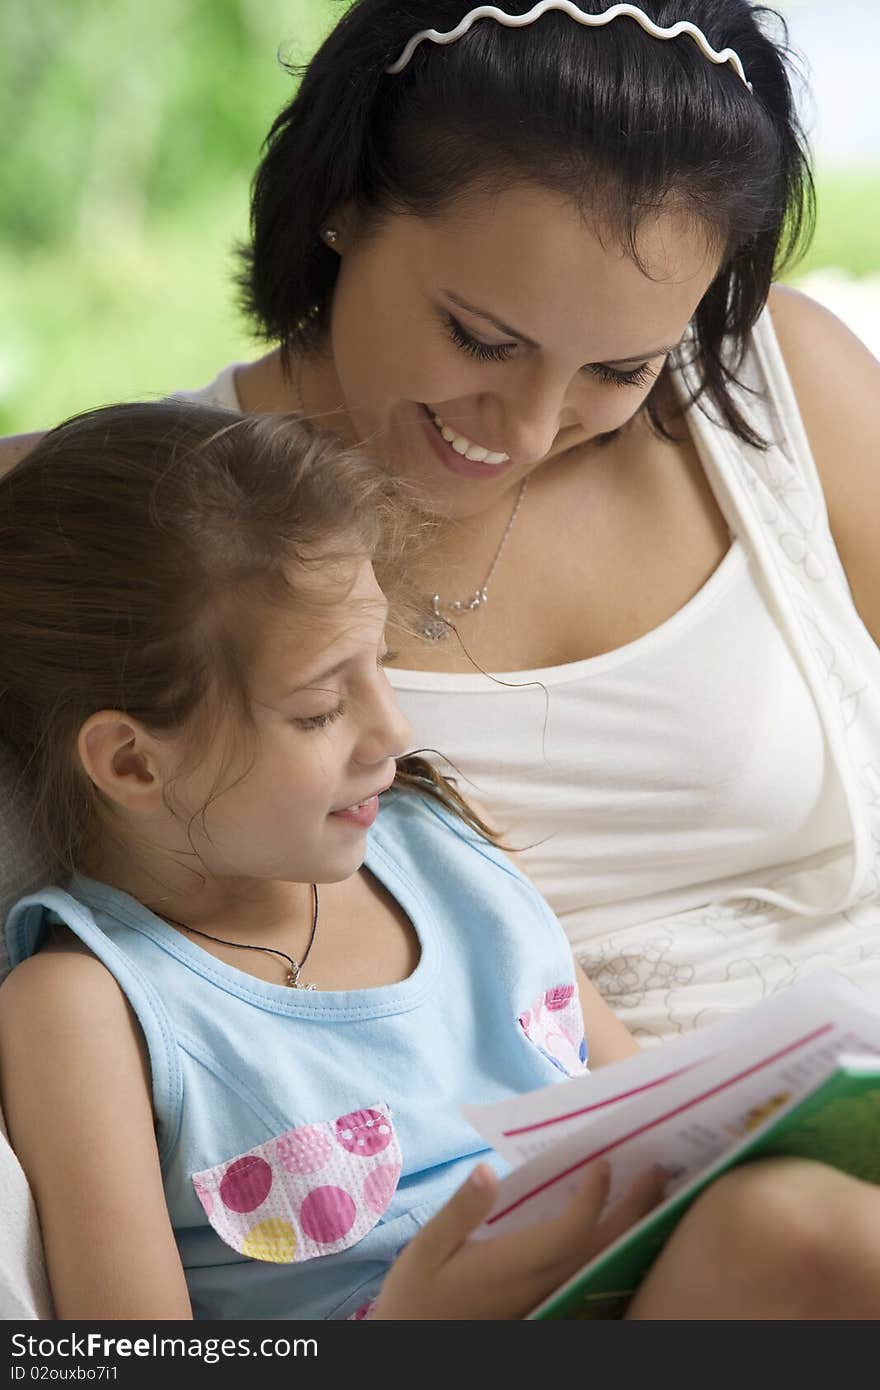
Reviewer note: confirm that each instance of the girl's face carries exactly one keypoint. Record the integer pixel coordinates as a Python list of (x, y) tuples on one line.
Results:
[(295, 802), (512, 324)]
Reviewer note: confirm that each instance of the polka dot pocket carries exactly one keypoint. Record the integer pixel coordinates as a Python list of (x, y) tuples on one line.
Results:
[(555, 1025), (314, 1190)]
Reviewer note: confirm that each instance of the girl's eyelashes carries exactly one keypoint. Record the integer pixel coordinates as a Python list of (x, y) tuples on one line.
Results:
[(320, 721), (500, 352)]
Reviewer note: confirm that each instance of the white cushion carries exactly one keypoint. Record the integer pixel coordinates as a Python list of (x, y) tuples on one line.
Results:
[(24, 865)]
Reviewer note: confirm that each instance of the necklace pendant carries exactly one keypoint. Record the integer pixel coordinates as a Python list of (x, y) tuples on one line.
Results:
[(295, 983), (436, 628), (436, 631)]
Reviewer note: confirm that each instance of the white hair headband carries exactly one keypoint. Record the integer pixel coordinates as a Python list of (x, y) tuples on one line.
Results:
[(593, 21)]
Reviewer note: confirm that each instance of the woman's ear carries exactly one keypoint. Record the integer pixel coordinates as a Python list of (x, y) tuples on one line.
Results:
[(340, 227), (122, 760)]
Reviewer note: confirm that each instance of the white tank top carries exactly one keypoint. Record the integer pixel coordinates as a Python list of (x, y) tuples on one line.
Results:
[(644, 780), (702, 805)]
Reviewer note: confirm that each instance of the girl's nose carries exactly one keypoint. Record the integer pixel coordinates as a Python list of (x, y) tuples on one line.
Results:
[(387, 733)]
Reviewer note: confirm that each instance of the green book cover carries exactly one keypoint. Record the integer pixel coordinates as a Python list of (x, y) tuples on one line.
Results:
[(837, 1123)]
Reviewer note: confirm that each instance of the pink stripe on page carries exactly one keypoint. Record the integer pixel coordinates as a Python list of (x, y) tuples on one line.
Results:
[(679, 1110), (599, 1105)]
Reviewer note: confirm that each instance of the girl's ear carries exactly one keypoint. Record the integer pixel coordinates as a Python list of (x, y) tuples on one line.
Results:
[(122, 760)]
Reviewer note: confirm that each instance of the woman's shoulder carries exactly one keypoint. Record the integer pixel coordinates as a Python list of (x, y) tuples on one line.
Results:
[(13, 447), (834, 375), (222, 390), (836, 383)]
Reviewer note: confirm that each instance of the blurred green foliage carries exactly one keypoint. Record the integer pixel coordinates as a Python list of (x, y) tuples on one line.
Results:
[(130, 132), (115, 109)]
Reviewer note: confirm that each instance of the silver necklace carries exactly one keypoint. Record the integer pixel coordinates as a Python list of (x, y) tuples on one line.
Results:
[(436, 628), (294, 966)]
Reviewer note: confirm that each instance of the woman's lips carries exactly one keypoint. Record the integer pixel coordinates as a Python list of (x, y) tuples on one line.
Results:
[(457, 463)]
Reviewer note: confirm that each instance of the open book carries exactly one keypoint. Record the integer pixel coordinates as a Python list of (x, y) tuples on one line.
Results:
[(798, 1074)]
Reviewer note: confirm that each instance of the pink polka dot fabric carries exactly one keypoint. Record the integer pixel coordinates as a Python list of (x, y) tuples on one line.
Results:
[(555, 1024), (363, 1312), (311, 1191)]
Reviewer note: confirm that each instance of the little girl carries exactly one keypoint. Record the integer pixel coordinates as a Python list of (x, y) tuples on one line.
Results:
[(251, 1018)]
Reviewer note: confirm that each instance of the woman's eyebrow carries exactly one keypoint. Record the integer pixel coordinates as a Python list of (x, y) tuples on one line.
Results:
[(524, 337), (490, 318)]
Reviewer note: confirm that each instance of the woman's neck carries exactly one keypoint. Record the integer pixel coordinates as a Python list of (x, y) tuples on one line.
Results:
[(310, 387)]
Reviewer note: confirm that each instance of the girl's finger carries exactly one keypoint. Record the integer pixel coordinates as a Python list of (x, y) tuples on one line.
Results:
[(454, 1222), (642, 1196), (569, 1236)]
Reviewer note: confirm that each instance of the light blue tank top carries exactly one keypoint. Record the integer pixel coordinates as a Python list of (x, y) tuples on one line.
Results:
[(305, 1137)]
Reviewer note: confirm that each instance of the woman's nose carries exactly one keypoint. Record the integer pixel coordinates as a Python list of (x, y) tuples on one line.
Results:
[(532, 417)]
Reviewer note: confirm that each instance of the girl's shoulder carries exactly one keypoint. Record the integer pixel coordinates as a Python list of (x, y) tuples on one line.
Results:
[(408, 814), (432, 843), (62, 993)]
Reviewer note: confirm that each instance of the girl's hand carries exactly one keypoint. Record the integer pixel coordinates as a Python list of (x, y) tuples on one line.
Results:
[(441, 1274)]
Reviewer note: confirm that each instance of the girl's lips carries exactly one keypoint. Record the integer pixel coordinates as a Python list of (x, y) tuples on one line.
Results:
[(362, 815), (457, 463)]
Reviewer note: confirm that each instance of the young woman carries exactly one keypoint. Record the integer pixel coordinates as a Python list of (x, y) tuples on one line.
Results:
[(527, 260), (235, 1046)]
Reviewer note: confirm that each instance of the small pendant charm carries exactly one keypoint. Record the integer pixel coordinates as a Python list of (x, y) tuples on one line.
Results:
[(293, 981), (436, 628)]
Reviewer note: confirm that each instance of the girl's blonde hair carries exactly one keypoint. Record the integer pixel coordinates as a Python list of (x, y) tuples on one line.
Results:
[(137, 543)]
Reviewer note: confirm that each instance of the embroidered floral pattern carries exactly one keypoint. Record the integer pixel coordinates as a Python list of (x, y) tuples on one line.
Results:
[(555, 1025)]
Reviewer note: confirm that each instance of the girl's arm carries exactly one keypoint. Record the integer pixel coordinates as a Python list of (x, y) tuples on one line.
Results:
[(608, 1040), (837, 384), (75, 1085)]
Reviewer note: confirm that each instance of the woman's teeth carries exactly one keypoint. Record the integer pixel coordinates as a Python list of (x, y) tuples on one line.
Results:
[(464, 446)]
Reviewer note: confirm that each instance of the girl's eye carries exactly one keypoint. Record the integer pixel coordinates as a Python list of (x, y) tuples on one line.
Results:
[(386, 659), (320, 721), (484, 352), (639, 377)]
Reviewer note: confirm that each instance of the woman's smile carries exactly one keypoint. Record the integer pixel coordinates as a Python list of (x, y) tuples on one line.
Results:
[(460, 454)]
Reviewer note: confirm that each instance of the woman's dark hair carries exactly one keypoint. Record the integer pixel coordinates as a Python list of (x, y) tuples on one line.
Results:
[(618, 122), (139, 547)]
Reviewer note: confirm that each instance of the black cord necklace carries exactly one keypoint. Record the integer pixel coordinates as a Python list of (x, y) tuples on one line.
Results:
[(293, 974)]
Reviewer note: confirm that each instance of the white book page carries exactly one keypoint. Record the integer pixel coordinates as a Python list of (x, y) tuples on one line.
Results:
[(844, 1061), (524, 1126), (694, 1117)]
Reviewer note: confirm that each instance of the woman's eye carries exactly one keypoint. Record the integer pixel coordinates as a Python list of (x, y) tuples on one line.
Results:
[(320, 721), (484, 352), (639, 377), (386, 659)]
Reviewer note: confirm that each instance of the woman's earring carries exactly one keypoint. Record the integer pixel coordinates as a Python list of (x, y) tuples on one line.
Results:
[(330, 235)]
